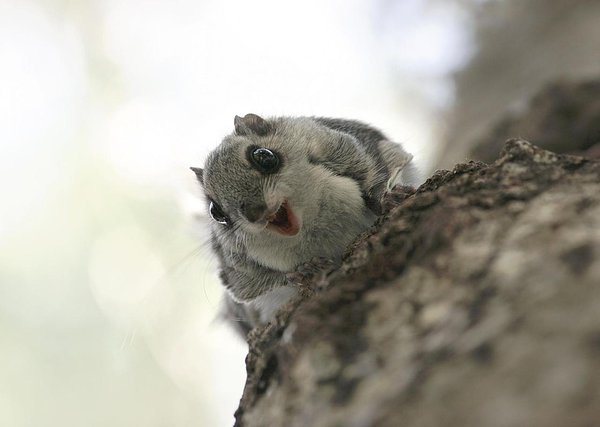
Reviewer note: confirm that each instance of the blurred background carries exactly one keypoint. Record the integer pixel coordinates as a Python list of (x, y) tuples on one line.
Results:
[(108, 291)]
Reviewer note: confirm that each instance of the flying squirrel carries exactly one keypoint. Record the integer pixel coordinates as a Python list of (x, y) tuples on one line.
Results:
[(285, 191)]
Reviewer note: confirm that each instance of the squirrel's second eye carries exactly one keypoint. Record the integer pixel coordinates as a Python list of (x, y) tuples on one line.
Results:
[(217, 214), (265, 160)]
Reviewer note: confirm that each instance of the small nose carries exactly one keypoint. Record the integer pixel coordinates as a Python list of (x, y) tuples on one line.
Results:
[(253, 211)]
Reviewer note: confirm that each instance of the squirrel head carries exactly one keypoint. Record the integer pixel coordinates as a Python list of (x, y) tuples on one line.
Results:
[(246, 179), (267, 186)]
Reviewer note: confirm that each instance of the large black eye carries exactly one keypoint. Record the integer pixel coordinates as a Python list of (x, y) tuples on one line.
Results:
[(217, 213), (265, 160)]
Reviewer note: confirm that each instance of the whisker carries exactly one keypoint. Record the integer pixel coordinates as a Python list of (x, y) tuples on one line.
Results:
[(187, 257)]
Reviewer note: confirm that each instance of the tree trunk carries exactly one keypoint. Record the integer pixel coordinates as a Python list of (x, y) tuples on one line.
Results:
[(474, 302)]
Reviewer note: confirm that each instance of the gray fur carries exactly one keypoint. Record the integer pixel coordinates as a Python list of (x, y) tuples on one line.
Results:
[(334, 174)]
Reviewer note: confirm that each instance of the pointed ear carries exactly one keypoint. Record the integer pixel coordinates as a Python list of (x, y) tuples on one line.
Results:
[(251, 123), (199, 174)]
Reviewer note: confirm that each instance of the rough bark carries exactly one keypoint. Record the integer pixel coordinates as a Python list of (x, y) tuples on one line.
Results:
[(474, 302)]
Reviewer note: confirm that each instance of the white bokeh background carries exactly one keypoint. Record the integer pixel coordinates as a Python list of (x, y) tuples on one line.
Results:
[(107, 288)]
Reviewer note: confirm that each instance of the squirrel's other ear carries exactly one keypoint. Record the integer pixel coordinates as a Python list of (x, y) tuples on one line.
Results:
[(251, 123), (199, 174)]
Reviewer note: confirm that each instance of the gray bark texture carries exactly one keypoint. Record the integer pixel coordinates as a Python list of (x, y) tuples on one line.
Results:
[(563, 117), (521, 46), (475, 301)]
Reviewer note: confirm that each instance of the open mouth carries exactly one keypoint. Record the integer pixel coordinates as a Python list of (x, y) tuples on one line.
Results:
[(284, 221)]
